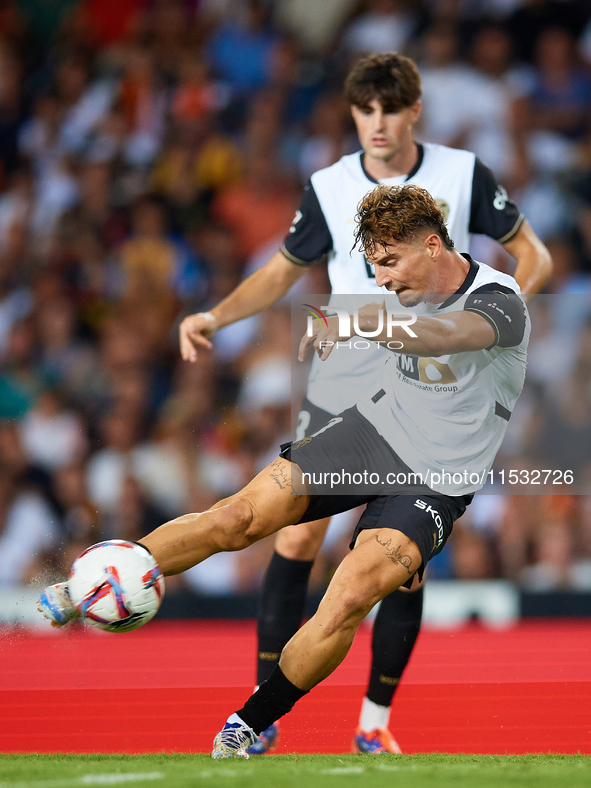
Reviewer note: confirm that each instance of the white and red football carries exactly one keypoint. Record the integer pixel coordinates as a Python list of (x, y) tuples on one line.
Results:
[(116, 585)]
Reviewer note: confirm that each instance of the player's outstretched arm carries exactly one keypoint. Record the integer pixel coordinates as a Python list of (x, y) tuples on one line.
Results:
[(455, 332), (260, 290), (534, 263)]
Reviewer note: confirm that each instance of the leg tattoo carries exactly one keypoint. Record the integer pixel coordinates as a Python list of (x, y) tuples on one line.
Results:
[(395, 555)]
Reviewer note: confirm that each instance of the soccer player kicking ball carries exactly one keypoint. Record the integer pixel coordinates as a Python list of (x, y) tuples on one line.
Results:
[(384, 93), (400, 425)]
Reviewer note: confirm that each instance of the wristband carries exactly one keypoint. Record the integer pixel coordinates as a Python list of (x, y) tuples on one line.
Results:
[(210, 317)]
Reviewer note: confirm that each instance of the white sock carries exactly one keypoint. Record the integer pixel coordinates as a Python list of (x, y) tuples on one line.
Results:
[(373, 716), (234, 719)]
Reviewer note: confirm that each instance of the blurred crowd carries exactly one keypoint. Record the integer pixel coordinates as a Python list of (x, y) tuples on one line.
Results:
[(152, 154)]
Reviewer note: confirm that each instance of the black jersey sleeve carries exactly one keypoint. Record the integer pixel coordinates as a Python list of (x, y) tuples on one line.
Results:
[(503, 308), (309, 238), (492, 213)]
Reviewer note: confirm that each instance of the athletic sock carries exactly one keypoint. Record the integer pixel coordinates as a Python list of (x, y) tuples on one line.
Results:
[(373, 716), (283, 599), (274, 698), (395, 632), (139, 544)]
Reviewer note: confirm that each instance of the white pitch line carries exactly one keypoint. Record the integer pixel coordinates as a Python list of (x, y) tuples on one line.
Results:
[(344, 770), (88, 779)]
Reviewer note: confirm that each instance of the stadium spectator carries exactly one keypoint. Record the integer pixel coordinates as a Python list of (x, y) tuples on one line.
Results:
[(445, 82), (158, 270), (241, 49), (110, 466), (259, 207), (330, 136), (382, 26), (28, 530), (558, 103), (51, 435), (144, 102)]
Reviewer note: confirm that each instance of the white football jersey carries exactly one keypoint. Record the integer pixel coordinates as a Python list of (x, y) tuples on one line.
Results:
[(445, 417), (465, 190)]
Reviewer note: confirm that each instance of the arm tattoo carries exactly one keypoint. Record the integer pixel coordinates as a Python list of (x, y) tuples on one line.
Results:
[(395, 555)]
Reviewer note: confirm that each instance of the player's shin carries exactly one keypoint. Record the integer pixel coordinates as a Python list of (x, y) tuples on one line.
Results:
[(323, 642), (380, 563)]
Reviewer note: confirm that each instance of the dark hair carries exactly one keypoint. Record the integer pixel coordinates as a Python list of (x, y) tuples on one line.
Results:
[(397, 213), (391, 79)]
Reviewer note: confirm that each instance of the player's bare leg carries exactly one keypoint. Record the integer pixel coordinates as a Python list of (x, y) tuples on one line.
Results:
[(264, 506), (282, 604), (281, 613), (261, 508), (383, 559), (301, 542)]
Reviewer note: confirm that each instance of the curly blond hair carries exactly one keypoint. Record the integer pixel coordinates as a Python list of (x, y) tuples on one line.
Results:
[(397, 213)]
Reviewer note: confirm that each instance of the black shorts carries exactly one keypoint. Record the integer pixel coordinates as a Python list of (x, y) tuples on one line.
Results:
[(346, 455), (424, 516), (310, 419)]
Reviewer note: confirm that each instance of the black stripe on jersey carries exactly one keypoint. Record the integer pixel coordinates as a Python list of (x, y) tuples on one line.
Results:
[(419, 161), (293, 259), (365, 172), (309, 238), (514, 230), (492, 213), (502, 411), (503, 309), (470, 277), (489, 319), (411, 174)]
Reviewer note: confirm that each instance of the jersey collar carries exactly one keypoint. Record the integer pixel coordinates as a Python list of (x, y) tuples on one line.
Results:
[(411, 174), (470, 277)]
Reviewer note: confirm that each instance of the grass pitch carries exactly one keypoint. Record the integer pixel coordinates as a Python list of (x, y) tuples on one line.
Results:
[(295, 771)]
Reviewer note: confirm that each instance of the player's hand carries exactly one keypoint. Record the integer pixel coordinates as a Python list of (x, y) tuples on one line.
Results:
[(194, 333), (323, 340)]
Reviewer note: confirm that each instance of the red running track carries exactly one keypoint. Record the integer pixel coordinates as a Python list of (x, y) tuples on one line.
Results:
[(170, 687)]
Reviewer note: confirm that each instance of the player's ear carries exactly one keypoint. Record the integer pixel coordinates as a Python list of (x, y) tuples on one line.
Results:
[(433, 245), (416, 110)]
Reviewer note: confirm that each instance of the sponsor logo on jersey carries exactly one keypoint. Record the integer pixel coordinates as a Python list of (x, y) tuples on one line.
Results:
[(301, 442), (425, 369), (501, 198), (494, 305), (443, 207), (428, 509), (296, 219)]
